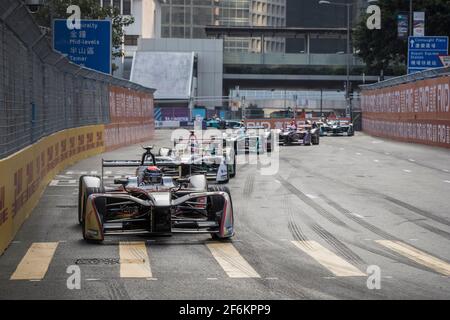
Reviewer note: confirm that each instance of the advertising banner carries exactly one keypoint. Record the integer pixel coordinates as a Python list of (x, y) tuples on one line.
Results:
[(414, 112), (131, 117), (419, 24)]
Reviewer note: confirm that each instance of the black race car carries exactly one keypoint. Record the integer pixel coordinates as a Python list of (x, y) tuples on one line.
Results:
[(305, 135), (152, 203), (337, 127)]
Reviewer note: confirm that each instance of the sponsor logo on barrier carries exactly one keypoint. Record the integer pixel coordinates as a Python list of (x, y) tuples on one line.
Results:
[(18, 196), (3, 209)]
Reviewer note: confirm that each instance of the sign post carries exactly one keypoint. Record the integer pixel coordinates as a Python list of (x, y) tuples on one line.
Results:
[(89, 46), (424, 52)]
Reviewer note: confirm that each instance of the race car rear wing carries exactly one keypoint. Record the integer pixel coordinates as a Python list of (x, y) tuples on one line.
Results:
[(173, 169)]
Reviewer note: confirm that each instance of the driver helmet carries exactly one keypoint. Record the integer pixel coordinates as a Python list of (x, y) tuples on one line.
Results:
[(152, 175)]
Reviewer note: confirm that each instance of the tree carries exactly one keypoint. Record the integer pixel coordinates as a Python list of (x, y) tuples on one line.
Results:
[(381, 49), (90, 9)]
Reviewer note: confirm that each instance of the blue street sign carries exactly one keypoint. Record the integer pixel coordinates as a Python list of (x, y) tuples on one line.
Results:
[(89, 46), (424, 52)]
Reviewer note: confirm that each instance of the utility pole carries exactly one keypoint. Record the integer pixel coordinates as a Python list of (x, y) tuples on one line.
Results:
[(410, 18), (321, 103)]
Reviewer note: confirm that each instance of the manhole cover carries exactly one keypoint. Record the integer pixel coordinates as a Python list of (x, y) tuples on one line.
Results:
[(98, 261)]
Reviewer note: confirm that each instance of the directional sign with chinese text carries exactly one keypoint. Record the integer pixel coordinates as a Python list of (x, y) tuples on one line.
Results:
[(89, 46), (424, 52)]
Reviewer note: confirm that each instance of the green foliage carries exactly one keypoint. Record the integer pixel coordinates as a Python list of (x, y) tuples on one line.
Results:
[(381, 49), (90, 9)]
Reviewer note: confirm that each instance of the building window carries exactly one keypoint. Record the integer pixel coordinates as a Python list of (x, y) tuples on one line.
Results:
[(131, 40), (116, 4), (126, 7)]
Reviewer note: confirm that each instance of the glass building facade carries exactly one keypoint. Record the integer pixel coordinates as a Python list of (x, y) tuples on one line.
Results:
[(188, 18)]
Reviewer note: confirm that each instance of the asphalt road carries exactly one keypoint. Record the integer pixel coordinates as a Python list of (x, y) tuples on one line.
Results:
[(317, 229)]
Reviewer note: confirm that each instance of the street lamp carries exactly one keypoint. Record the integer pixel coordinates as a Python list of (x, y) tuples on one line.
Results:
[(347, 86)]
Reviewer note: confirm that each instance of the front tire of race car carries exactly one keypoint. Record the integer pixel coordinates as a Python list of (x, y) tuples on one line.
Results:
[(83, 196), (217, 206)]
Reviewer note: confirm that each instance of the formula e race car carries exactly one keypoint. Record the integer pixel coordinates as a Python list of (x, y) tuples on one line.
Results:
[(337, 127), (249, 140), (305, 135), (152, 203), (207, 156)]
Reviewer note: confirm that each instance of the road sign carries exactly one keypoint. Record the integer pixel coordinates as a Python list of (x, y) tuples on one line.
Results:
[(424, 52), (89, 46)]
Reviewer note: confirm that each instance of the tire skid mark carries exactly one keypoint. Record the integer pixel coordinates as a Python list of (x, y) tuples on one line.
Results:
[(433, 229), (249, 185), (361, 222), (387, 236), (344, 251), (418, 211), (293, 227), (311, 203), (117, 291), (393, 256), (404, 205)]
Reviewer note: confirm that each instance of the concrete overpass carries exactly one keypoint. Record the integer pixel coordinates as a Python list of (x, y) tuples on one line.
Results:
[(308, 70)]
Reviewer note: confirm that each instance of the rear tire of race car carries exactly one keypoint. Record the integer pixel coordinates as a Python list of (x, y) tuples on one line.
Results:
[(316, 141), (234, 167), (216, 188)]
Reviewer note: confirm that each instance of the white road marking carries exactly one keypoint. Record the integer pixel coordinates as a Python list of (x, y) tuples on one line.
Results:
[(83, 172), (231, 261), (417, 256), (447, 181), (108, 172), (411, 160), (338, 266), (277, 181), (69, 172), (63, 176), (406, 170), (387, 153), (376, 160), (91, 279), (271, 278), (211, 279), (358, 154), (134, 260), (445, 170), (311, 196), (94, 172), (357, 215), (53, 183), (35, 263)]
